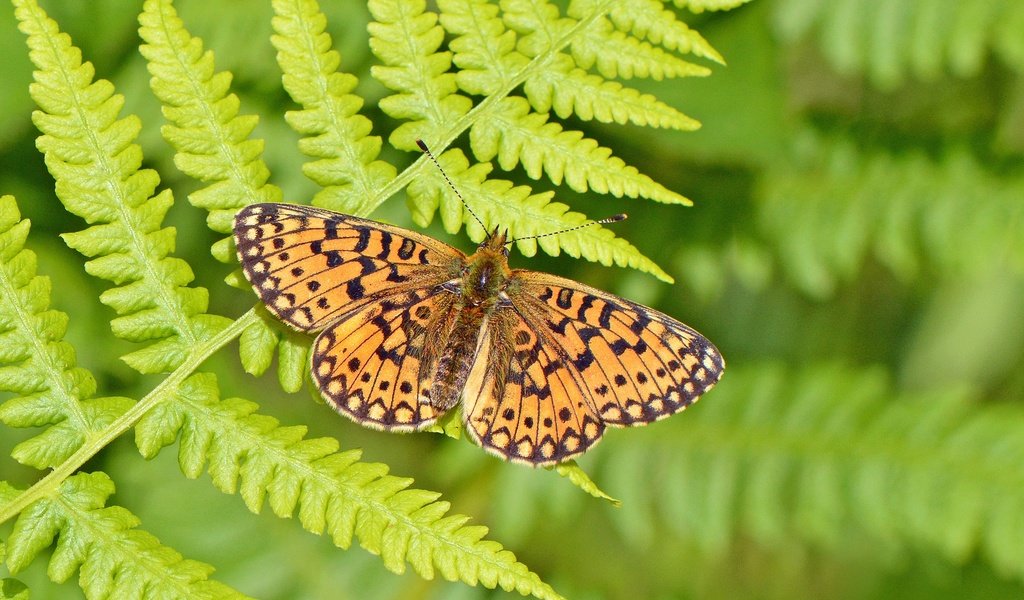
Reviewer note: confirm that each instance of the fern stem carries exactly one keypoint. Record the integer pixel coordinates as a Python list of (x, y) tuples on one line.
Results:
[(48, 486), (480, 110)]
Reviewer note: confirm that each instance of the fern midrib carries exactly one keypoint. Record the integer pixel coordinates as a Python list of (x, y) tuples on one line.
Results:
[(54, 379), (486, 106), (115, 187), (48, 485)]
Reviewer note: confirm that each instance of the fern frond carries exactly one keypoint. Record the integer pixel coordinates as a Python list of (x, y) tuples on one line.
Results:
[(832, 455), (699, 6), (95, 165), (518, 210), (615, 54), (329, 490), (35, 362), (837, 204), (114, 558), (571, 91), (648, 19), (514, 134), (211, 138), (406, 38), (336, 134), (486, 56), (918, 38)]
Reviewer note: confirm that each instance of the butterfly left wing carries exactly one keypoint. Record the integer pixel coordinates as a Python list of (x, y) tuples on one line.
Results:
[(569, 359), (311, 266), (377, 366)]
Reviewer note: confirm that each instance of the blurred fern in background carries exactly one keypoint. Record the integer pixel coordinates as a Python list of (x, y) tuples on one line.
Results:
[(855, 248)]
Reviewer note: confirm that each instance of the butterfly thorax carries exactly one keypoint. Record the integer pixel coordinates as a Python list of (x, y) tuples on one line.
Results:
[(486, 273)]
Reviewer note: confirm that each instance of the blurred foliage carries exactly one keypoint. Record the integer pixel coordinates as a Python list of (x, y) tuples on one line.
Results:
[(855, 250)]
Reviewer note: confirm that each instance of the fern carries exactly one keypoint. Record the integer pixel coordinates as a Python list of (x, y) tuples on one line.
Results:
[(96, 168), (204, 124), (115, 559), (836, 205), (36, 363), (919, 38), (336, 134)]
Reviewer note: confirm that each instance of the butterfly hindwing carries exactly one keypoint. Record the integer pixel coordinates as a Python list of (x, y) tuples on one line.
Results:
[(311, 266), (525, 405), (637, 365)]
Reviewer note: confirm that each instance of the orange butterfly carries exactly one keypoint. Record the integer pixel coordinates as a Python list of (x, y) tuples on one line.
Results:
[(411, 327)]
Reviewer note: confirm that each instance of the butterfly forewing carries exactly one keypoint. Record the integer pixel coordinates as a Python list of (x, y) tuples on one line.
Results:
[(311, 266)]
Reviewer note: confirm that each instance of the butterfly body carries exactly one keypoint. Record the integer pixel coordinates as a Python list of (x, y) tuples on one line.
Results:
[(411, 327)]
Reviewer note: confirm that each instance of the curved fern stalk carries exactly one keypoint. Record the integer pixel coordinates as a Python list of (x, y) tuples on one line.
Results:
[(336, 133), (329, 490), (114, 558), (834, 205), (824, 452), (95, 165), (35, 362), (211, 138)]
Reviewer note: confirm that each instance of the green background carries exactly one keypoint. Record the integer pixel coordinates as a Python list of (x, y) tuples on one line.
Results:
[(856, 244)]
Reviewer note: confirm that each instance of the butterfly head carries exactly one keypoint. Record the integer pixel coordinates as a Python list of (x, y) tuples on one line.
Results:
[(496, 242)]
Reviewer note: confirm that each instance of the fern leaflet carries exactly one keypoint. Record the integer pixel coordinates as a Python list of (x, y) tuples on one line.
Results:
[(96, 167), (37, 364)]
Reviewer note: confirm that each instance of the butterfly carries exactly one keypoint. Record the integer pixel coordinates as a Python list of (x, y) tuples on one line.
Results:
[(411, 327)]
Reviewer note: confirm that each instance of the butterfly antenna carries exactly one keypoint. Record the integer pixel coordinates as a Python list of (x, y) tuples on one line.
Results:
[(423, 147), (604, 221)]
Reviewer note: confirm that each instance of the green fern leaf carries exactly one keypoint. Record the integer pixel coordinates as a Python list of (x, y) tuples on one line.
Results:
[(406, 38), (115, 560), (485, 66), (330, 491), (648, 19), (336, 134), (615, 54), (38, 365), (578, 477), (211, 138), (514, 134), (571, 91), (96, 168), (485, 51), (699, 6)]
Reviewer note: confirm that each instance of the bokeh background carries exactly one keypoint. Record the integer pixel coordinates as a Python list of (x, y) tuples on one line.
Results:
[(855, 250)]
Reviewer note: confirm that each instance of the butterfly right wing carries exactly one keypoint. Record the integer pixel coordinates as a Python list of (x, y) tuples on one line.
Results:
[(311, 266)]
